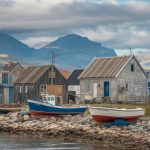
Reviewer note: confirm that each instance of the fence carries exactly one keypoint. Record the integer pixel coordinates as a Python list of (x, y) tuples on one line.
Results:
[(120, 98), (133, 99)]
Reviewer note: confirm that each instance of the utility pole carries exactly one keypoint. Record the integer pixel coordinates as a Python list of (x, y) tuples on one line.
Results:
[(130, 51), (52, 68)]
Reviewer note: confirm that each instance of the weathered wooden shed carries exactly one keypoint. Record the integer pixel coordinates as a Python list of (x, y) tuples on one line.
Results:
[(37, 80), (9, 75), (115, 79), (73, 85)]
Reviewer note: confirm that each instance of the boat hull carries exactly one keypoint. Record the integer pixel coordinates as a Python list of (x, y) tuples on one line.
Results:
[(40, 108), (106, 115), (108, 119)]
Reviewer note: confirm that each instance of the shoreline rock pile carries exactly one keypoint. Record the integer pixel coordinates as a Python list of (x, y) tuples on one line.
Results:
[(79, 128)]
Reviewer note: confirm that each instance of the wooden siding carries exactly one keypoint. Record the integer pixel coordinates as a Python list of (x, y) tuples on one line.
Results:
[(137, 84), (33, 90), (20, 94), (57, 90), (87, 88)]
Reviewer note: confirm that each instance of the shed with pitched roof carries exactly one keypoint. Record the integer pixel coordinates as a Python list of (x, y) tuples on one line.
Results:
[(37, 80), (120, 78), (8, 75)]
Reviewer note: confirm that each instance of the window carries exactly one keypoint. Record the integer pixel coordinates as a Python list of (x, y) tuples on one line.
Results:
[(52, 99), (132, 67), (43, 88), (52, 75), (148, 90), (148, 86), (5, 78)]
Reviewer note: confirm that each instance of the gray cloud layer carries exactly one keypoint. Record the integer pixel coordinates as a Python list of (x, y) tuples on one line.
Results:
[(118, 25)]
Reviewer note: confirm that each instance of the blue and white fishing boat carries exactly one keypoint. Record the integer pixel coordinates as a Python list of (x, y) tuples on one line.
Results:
[(48, 107)]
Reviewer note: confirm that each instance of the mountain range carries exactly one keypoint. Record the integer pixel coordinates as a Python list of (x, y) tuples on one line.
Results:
[(71, 51)]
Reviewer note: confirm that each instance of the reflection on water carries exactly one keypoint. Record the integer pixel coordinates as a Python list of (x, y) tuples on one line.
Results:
[(12, 142)]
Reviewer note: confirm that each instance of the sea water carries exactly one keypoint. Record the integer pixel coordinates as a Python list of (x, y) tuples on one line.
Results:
[(13, 142)]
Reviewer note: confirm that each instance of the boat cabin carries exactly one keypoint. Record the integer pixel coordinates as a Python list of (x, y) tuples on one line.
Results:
[(52, 99)]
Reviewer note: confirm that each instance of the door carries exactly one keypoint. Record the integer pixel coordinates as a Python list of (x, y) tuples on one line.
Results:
[(106, 88), (11, 95), (95, 90), (72, 95)]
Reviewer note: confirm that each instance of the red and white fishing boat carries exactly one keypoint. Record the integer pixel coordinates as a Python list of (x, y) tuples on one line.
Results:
[(105, 115)]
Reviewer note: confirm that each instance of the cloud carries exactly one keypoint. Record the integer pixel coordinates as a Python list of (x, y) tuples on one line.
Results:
[(34, 15), (117, 24), (120, 36), (4, 56), (40, 40)]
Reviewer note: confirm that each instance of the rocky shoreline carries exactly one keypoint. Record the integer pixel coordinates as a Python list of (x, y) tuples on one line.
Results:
[(79, 128)]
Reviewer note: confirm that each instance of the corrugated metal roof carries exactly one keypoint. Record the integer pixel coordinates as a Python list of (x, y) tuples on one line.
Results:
[(104, 67), (32, 74)]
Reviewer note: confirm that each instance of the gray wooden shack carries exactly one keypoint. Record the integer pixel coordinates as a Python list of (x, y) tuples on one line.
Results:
[(73, 85), (114, 79), (35, 81), (9, 74)]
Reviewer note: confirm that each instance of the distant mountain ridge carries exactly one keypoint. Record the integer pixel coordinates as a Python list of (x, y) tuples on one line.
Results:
[(10, 45), (72, 51)]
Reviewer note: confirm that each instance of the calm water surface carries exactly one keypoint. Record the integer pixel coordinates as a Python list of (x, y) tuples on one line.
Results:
[(12, 142)]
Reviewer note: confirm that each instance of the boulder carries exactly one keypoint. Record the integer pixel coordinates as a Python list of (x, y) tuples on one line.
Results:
[(53, 119), (140, 129), (2, 118), (26, 117), (131, 127), (13, 115), (84, 121), (7, 118), (79, 128), (67, 118)]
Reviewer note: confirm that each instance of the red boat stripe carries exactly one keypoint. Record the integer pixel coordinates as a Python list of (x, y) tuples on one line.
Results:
[(105, 119)]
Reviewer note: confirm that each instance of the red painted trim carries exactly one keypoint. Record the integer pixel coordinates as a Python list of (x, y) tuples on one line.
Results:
[(105, 119)]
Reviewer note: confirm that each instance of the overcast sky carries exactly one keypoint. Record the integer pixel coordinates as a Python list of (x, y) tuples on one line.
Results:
[(118, 24)]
